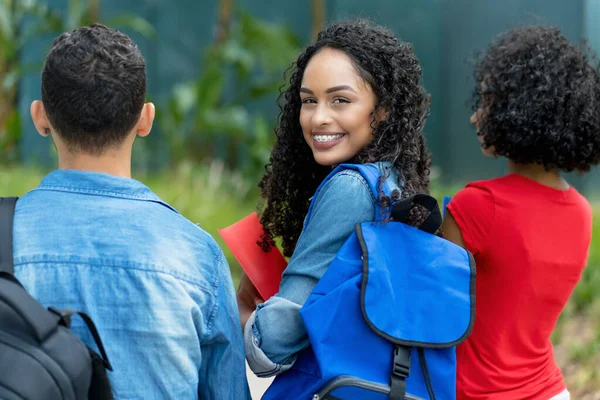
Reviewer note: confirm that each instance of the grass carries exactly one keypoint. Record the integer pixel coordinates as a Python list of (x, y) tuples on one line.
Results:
[(216, 198)]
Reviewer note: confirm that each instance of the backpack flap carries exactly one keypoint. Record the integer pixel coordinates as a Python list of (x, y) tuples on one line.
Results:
[(417, 288)]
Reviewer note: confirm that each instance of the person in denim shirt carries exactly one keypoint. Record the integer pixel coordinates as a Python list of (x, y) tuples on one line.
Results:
[(354, 97), (91, 238)]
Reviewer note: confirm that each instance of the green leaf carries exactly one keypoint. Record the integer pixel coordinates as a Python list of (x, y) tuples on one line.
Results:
[(185, 96), (48, 22), (7, 21), (13, 126), (135, 23), (10, 80), (75, 15), (274, 45), (243, 59), (210, 86), (232, 121)]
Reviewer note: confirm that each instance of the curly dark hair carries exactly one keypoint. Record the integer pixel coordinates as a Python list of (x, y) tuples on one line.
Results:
[(539, 98), (392, 70), (93, 87)]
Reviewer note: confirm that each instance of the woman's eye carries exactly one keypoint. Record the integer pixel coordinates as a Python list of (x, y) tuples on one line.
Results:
[(340, 101), (308, 101)]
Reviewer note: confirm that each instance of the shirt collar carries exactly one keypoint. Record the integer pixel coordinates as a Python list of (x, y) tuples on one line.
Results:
[(99, 184)]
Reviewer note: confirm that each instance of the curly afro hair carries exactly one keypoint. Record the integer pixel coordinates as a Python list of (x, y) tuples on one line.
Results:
[(539, 99), (392, 70)]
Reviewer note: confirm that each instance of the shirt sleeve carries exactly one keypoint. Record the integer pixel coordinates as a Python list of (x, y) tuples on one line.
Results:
[(474, 212), (275, 333)]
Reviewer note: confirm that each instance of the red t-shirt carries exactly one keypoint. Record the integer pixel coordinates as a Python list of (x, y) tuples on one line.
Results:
[(530, 244)]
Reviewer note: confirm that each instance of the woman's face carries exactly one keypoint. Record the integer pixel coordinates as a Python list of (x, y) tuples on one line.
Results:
[(337, 108)]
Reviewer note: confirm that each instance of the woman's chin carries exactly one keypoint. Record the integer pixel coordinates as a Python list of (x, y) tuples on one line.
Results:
[(327, 160)]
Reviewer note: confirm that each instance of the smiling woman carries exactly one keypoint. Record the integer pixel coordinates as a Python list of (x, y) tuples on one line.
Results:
[(336, 120), (354, 97), (359, 81)]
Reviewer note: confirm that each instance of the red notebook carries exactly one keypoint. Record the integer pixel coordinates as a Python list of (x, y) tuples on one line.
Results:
[(263, 269)]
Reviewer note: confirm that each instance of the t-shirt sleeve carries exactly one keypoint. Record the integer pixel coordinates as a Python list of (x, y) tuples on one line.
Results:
[(473, 210)]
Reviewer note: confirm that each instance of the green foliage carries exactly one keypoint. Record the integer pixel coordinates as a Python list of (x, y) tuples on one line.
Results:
[(85, 12), (588, 289), (24, 20), (13, 36), (212, 115)]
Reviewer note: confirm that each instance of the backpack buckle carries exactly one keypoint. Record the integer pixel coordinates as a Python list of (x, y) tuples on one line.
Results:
[(401, 367), (64, 316)]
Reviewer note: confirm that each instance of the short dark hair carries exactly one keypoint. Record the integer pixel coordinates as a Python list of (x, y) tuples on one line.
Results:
[(93, 87), (540, 97)]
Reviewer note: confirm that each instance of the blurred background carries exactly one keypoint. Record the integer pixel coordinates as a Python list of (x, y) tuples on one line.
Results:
[(214, 72)]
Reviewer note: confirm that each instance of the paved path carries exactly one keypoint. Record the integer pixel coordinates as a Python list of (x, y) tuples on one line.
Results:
[(258, 386)]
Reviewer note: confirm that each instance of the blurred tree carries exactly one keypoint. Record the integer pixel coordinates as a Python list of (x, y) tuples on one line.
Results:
[(319, 15), (22, 20), (244, 64)]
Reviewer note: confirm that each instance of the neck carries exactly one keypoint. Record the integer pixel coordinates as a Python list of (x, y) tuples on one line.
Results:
[(114, 162), (539, 174)]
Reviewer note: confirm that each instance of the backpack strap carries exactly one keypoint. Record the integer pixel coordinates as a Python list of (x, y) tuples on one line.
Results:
[(371, 173), (400, 372), (65, 320), (433, 221), (7, 211)]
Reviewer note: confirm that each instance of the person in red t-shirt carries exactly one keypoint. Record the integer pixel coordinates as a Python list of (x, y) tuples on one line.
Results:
[(537, 102)]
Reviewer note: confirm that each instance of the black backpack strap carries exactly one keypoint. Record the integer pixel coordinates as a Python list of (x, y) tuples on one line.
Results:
[(7, 211), (100, 387), (65, 320), (433, 221), (400, 371)]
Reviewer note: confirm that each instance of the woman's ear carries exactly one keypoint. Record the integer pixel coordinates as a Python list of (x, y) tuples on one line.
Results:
[(380, 114)]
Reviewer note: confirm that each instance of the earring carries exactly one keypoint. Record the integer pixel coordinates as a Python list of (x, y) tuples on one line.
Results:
[(46, 131)]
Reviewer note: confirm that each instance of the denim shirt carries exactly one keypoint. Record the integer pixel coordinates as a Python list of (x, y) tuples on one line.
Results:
[(275, 333), (157, 286)]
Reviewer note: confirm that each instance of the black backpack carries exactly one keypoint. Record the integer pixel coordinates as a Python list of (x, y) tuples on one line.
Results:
[(40, 358)]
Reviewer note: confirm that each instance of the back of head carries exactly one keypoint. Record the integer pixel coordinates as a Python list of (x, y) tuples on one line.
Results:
[(93, 87), (539, 99)]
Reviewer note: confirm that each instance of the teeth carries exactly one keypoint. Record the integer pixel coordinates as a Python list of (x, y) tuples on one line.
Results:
[(326, 138)]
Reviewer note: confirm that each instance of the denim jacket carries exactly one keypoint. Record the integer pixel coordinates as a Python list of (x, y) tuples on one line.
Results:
[(157, 286), (275, 333)]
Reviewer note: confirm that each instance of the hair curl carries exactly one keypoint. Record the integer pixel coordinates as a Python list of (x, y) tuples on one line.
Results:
[(539, 98), (392, 70)]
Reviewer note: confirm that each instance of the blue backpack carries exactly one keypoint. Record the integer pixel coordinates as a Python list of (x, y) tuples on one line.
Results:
[(384, 320)]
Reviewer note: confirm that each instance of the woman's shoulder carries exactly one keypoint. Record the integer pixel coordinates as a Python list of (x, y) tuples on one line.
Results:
[(475, 195), (349, 181), (346, 183)]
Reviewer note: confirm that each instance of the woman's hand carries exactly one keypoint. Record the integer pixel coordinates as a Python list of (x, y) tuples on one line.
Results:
[(247, 298)]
